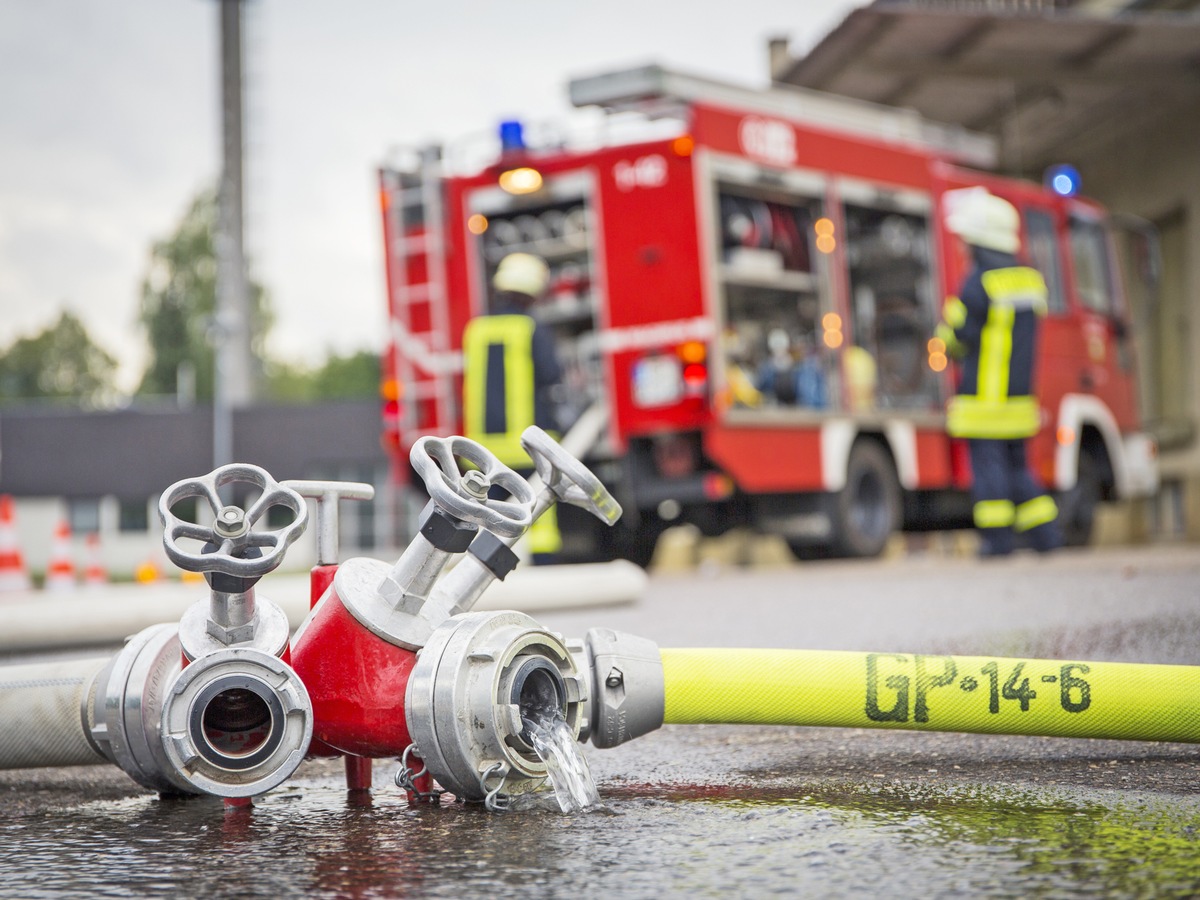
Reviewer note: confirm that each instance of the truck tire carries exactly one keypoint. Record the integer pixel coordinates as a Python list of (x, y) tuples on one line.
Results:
[(639, 543), (867, 510), (1077, 507), (634, 543)]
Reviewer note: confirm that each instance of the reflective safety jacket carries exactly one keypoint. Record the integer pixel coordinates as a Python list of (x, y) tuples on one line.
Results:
[(509, 365), (992, 327)]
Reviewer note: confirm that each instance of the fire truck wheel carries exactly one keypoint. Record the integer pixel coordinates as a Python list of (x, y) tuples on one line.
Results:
[(867, 510), (1077, 507), (635, 544), (805, 551)]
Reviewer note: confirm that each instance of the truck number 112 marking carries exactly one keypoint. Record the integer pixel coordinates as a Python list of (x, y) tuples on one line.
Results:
[(899, 686)]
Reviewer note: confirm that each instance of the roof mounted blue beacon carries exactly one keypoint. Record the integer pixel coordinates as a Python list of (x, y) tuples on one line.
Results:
[(1063, 179), (512, 136)]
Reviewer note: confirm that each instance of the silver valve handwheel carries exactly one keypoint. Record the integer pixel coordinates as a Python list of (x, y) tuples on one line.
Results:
[(571, 481), (232, 530), (465, 496)]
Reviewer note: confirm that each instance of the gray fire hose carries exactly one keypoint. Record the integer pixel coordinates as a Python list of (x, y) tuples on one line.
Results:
[(42, 707)]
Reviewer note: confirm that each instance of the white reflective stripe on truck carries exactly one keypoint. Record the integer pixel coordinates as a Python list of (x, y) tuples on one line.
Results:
[(657, 334), (1135, 471), (838, 436)]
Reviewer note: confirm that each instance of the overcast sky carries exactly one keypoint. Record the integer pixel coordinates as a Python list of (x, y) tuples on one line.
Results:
[(109, 127)]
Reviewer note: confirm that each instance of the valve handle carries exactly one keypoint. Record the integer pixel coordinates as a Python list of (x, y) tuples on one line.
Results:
[(465, 496), (570, 480), (232, 529)]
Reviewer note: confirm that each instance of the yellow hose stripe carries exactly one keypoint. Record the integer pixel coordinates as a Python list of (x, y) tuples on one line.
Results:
[(1062, 698)]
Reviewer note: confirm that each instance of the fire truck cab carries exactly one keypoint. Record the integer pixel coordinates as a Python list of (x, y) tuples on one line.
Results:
[(748, 281)]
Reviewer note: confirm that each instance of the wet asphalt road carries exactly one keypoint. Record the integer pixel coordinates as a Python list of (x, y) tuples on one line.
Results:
[(726, 810)]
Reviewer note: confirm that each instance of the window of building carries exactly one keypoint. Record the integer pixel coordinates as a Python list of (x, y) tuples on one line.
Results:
[(1041, 238), (83, 515), (187, 510), (279, 516), (133, 515), (1093, 275)]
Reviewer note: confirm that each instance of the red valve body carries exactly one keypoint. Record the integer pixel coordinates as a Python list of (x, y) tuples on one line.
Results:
[(319, 579), (356, 681)]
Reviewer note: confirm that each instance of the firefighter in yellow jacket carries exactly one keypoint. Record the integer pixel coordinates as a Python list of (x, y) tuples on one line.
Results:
[(992, 326), (511, 370)]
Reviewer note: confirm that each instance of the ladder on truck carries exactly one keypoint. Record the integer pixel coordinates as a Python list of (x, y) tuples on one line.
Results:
[(425, 363)]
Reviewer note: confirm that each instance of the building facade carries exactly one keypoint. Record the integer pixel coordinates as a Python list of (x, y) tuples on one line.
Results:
[(103, 473)]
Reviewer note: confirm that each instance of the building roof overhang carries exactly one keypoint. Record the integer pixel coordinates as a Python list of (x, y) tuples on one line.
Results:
[(1051, 86)]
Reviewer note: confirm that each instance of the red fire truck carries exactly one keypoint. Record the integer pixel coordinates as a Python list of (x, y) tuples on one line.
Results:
[(749, 281)]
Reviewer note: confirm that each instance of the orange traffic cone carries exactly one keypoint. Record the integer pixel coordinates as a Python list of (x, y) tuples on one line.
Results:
[(13, 575), (95, 574), (60, 574)]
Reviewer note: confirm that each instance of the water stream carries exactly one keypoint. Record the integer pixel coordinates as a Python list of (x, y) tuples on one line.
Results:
[(551, 737)]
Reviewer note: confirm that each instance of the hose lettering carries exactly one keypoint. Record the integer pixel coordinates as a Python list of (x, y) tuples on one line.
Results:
[(926, 681), (897, 683), (1068, 682), (891, 678)]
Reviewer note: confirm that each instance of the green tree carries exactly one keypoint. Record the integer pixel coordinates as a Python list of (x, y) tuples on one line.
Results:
[(354, 376), (61, 362), (179, 298)]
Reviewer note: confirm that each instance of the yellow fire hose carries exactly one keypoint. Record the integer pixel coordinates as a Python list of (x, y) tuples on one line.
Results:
[(977, 694)]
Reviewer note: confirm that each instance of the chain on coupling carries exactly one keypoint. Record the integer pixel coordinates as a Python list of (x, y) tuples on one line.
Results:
[(494, 799), (406, 778)]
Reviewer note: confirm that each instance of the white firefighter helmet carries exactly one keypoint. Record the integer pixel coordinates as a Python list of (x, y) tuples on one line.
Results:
[(522, 273), (981, 218)]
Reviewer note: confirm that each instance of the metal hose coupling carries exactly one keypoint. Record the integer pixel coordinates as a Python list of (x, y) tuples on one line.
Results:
[(236, 722), (475, 682), (626, 695), (122, 709)]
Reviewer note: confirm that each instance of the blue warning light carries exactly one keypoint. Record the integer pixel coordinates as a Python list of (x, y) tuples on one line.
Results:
[(512, 136), (1064, 180)]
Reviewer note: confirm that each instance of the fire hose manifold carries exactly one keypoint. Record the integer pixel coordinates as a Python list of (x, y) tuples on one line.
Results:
[(392, 661)]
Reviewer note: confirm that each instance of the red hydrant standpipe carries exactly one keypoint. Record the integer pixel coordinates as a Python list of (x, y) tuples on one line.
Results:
[(327, 494), (373, 695), (357, 648)]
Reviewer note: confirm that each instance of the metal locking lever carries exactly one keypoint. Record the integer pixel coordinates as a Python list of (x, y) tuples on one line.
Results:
[(327, 494)]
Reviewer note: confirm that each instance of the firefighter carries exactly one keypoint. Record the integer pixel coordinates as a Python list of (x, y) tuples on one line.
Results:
[(992, 328), (511, 371)]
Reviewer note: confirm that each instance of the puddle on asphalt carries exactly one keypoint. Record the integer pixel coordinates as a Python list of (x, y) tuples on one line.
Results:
[(312, 838)]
